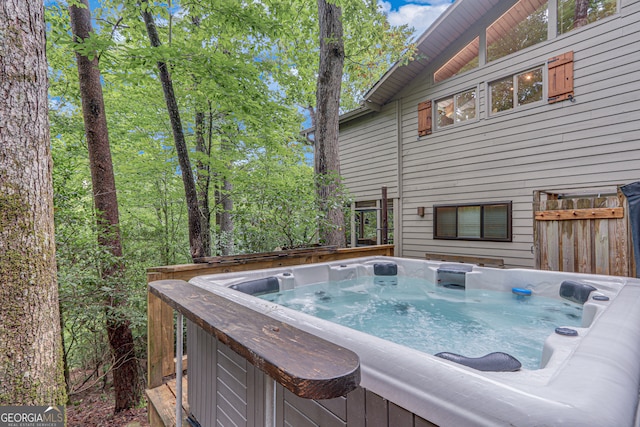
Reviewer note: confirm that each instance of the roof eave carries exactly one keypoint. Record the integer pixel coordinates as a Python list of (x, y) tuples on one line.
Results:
[(422, 39)]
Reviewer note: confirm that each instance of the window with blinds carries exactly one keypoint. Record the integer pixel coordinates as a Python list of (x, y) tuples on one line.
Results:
[(478, 221)]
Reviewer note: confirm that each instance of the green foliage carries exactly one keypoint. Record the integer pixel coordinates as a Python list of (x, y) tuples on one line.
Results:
[(248, 67), (595, 10), (371, 47), (527, 32), (274, 205)]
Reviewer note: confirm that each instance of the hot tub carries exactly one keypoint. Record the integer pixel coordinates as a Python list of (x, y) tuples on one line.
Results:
[(589, 375)]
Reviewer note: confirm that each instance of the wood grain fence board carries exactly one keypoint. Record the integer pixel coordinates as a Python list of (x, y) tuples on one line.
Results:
[(537, 195), (553, 246), (618, 233), (567, 247), (551, 239), (601, 240), (583, 239), (540, 240), (156, 352), (168, 340)]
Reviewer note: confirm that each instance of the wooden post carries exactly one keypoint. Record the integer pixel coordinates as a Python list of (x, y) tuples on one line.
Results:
[(385, 219), (160, 353), (536, 238)]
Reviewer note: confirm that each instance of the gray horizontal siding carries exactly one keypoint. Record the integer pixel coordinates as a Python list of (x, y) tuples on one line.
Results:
[(369, 154)]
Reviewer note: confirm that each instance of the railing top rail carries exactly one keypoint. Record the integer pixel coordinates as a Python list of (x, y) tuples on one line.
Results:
[(305, 364), (322, 253)]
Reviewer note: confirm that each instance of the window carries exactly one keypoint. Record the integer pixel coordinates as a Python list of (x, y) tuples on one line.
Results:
[(368, 223), (524, 25), (482, 221), (456, 109), (517, 90), (574, 14), (465, 60)]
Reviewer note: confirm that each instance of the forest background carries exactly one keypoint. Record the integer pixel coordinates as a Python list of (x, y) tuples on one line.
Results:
[(244, 74)]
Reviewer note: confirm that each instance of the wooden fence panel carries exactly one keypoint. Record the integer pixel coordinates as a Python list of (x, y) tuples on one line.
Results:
[(584, 235)]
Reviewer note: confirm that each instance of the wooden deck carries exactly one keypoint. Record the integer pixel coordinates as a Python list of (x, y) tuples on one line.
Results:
[(162, 404), (480, 261)]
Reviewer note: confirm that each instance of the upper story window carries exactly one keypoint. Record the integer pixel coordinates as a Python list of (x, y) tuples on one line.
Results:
[(510, 92), (574, 14), (524, 25), (516, 90), (466, 59), (456, 109)]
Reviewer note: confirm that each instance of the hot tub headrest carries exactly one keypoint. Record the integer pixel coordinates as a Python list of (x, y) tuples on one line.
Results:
[(385, 269), (576, 291), (492, 362), (259, 286)]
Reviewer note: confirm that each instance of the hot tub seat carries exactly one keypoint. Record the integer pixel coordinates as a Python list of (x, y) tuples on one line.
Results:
[(577, 292), (492, 362), (256, 287)]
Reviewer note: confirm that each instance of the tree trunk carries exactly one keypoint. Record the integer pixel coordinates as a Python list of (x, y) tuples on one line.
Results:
[(31, 370), (581, 14), (327, 161), (203, 180), (191, 194), (224, 218), (125, 365)]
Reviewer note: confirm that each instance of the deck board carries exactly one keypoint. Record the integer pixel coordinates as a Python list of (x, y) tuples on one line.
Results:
[(162, 399)]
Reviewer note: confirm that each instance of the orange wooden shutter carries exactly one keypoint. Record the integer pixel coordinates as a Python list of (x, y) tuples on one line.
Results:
[(560, 77), (424, 118)]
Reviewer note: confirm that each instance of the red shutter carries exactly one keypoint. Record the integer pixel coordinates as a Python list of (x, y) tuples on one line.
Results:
[(560, 77), (424, 118)]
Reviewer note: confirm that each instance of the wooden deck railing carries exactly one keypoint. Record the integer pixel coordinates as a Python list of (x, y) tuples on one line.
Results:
[(163, 297), (481, 261)]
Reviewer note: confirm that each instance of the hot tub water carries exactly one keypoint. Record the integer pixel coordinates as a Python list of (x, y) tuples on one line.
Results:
[(418, 314)]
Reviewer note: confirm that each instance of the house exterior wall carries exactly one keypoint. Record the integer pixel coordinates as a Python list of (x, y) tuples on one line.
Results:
[(369, 154), (592, 143)]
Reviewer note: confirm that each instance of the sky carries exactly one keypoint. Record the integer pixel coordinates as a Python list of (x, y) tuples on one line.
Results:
[(419, 14)]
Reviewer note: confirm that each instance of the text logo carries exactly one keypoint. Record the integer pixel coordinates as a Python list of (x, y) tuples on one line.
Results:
[(32, 416)]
